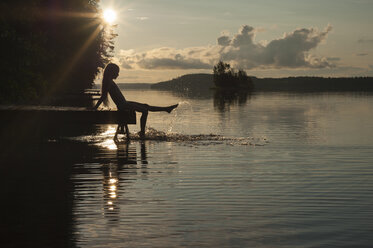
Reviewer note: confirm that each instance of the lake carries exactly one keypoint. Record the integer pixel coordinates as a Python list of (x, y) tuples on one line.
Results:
[(222, 170)]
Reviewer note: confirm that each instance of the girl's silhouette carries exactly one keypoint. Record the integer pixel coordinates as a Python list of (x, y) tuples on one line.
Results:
[(108, 86)]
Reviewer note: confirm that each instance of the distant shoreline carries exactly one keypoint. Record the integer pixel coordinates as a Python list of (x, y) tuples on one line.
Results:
[(195, 82), (204, 81), (129, 86)]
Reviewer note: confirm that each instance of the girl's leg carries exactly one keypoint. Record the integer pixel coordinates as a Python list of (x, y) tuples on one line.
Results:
[(144, 109), (127, 131), (117, 132), (120, 129), (142, 106), (144, 117)]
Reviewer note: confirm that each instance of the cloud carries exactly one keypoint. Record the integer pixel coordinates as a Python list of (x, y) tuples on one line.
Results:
[(362, 54), (333, 59), (166, 58), (224, 40), (142, 18), (368, 72), (290, 51), (178, 62), (366, 41)]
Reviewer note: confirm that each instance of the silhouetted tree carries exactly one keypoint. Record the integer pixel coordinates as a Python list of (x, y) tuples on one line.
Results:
[(227, 77), (50, 46)]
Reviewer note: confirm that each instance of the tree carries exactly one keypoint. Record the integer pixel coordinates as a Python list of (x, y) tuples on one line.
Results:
[(227, 77), (51, 46)]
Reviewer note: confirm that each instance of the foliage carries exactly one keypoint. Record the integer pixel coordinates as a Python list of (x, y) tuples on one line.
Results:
[(50, 46), (227, 77)]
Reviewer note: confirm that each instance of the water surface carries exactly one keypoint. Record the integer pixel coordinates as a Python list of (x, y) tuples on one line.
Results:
[(260, 170)]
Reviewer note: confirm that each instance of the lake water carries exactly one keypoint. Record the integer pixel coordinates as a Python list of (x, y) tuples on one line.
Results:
[(261, 170)]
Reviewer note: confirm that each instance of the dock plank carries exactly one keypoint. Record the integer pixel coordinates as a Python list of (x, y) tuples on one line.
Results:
[(66, 114)]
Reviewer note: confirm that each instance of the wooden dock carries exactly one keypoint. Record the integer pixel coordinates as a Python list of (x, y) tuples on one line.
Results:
[(68, 115)]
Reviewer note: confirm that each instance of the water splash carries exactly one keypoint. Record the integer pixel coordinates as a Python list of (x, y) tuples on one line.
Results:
[(199, 139), (106, 138), (183, 106)]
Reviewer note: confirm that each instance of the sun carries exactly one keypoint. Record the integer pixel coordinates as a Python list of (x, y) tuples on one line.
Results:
[(110, 16)]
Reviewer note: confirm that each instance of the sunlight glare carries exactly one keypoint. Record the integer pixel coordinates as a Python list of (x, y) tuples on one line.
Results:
[(109, 144), (112, 180), (110, 16)]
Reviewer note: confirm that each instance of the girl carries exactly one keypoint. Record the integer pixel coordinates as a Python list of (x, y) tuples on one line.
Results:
[(108, 86)]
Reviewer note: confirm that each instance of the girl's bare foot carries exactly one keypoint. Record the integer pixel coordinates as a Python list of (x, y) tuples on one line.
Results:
[(172, 107), (142, 135)]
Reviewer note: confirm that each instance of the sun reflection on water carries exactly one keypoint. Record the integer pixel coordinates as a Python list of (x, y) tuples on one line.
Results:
[(109, 144), (109, 131), (111, 191), (107, 136)]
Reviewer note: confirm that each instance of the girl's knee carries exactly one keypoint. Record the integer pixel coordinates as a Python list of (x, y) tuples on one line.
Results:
[(143, 108)]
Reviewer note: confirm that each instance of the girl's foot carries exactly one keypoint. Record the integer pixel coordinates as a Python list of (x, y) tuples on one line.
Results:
[(142, 135), (172, 107)]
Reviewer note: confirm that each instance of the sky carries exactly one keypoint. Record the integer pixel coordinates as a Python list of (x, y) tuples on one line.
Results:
[(162, 39)]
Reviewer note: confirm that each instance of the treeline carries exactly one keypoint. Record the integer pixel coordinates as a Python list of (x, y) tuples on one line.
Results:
[(186, 82), (191, 85), (200, 83), (49, 47)]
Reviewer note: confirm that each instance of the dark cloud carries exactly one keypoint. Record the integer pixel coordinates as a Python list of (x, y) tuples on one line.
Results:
[(224, 41), (366, 41), (361, 54)]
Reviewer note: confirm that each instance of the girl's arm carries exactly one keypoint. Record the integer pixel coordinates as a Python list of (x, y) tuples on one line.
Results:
[(99, 102), (103, 97)]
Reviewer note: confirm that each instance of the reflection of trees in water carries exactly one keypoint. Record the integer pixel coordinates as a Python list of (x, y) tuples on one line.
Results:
[(224, 98)]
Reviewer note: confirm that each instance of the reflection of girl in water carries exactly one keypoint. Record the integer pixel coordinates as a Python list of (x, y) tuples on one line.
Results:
[(108, 86)]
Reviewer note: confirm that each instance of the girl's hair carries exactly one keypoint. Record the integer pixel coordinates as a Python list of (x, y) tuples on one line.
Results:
[(109, 72)]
